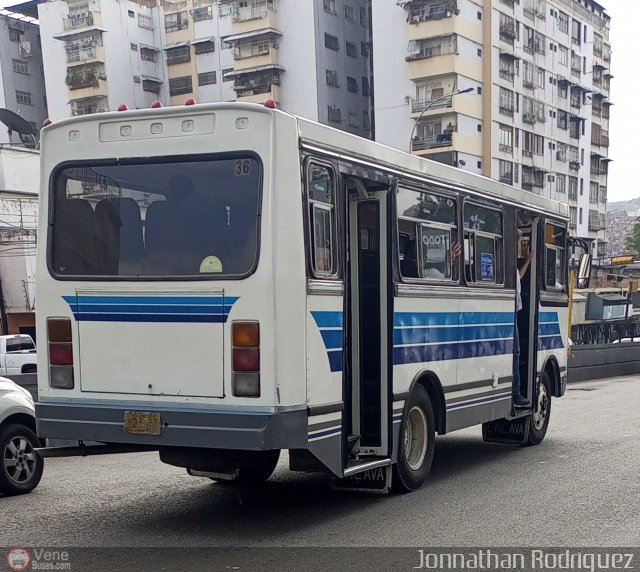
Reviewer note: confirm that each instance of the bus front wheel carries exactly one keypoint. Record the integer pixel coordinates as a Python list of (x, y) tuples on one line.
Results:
[(417, 440), (539, 420)]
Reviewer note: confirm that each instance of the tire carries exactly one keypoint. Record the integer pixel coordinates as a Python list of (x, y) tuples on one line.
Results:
[(539, 419), (417, 441), (20, 466)]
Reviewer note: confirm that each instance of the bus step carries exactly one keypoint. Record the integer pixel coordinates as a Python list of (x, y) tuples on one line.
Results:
[(370, 475)]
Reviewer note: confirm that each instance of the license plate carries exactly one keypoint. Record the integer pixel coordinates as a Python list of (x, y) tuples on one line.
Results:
[(142, 423), (378, 479)]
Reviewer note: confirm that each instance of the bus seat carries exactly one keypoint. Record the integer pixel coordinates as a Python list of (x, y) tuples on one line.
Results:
[(409, 262), (108, 225), (131, 242), (161, 238), (74, 238)]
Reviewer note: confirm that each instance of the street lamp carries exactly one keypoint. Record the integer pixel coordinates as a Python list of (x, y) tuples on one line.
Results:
[(429, 106)]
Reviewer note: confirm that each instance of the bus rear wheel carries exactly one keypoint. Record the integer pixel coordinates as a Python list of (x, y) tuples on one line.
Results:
[(539, 419), (417, 440)]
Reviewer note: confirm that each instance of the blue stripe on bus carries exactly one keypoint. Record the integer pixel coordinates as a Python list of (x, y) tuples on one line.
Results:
[(156, 309), (419, 335), (456, 350), (451, 318)]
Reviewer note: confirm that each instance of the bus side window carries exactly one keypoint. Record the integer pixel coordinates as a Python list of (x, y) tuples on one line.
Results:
[(554, 272), (483, 250), (321, 197)]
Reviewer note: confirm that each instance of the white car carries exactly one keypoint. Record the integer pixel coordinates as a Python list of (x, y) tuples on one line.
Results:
[(20, 466)]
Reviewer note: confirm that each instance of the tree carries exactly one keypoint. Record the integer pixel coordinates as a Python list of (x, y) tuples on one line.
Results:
[(632, 241)]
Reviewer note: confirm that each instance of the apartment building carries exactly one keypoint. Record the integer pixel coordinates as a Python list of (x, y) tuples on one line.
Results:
[(311, 57), (537, 113), (22, 86)]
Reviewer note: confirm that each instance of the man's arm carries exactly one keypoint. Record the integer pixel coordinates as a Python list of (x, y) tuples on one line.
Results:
[(525, 264)]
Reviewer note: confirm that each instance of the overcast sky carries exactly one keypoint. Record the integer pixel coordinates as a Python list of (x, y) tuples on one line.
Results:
[(625, 94)]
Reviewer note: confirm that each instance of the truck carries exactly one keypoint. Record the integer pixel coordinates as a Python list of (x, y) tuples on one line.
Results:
[(17, 355)]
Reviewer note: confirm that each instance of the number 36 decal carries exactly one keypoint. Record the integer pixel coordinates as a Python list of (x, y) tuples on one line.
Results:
[(243, 167)]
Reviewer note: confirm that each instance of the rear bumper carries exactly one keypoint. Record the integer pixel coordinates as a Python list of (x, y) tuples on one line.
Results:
[(181, 427)]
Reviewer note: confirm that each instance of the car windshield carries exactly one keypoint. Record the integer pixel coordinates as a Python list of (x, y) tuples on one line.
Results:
[(190, 218)]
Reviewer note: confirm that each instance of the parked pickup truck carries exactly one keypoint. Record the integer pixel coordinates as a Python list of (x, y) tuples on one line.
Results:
[(17, 355)]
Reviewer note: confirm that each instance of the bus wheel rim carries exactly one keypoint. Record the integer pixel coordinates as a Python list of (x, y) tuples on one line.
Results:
[(542, 407), (415, 438)]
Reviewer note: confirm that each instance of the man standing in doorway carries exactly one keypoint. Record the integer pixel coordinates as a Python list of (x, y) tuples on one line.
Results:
[(518, 399)]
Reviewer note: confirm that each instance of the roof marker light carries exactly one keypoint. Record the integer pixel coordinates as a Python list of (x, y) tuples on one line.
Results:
[(46, 122), (123, 107), (190, 101), (156, 104), (270, 104)]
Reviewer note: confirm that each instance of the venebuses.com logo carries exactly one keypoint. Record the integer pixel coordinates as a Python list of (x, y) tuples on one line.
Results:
[(18, 559)]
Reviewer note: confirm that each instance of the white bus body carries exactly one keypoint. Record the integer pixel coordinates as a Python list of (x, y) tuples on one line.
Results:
[(164, 231)]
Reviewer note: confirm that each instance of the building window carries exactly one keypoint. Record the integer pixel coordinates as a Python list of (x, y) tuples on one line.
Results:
[(352, 50), (205, 13), (148, 55), (563, 56), (152, 86), (332, 78), (23, 97), (563, 22), (176, 22), (178, 55), (205, 47), (541, 78), (561, 182), (334, 115), (366, 90), (224, 74), (354, 120), (207, 78), (364, 17), (330, 6), (134, 47), (348, 13), (180, 85), (352, 84), (483, 250), (575, 32), (366, 120), (145, 22), (573, 211), (131, 13), (573, 188), (506, 104), (506, 138), (364, 49), (20, 66), (505, 169), (14, 35), (428, 241), (331, 42)]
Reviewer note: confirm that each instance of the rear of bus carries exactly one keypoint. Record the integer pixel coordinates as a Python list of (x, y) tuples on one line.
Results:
[(159, 280)]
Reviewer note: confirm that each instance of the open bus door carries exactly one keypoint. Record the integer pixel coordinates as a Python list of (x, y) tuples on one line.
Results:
[(369, 319)]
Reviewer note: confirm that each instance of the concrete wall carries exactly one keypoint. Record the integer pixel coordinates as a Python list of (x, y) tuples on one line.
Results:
[(600, 361)]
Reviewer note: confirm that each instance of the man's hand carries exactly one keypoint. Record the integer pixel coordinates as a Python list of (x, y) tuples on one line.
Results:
[(456, 249)]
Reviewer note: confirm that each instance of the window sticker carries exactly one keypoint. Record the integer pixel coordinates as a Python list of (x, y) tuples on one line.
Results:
[(486, 263), (211, 265)]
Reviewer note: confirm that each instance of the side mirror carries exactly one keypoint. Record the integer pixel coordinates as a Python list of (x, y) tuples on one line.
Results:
[(584, 272)]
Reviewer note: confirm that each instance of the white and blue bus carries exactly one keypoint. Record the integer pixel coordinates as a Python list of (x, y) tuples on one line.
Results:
[(221, 282)]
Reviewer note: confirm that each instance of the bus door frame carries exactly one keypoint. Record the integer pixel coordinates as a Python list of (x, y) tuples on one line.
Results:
[(361, 180)]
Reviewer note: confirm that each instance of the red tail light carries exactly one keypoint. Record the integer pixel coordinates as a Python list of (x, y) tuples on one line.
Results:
[(60, 340), (246, 359)]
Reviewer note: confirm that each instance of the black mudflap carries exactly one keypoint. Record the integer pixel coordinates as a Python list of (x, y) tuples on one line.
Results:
[(515, 431), (372, 480)]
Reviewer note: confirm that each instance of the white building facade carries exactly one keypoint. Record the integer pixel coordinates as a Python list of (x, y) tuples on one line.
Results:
[(537, 115)]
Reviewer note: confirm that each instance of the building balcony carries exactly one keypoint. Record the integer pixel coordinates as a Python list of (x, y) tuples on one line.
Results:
[(257, 60), (253, 17), (97, 88), (424, 143), (259, 94), (89, 106), (426, 10), (85, 55), (78, 22)]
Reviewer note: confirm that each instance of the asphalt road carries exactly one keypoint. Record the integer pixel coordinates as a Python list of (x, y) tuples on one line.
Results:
[(580, 487)]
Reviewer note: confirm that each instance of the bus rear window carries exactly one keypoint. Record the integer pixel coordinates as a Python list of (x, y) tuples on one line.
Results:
[(171, 219)]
